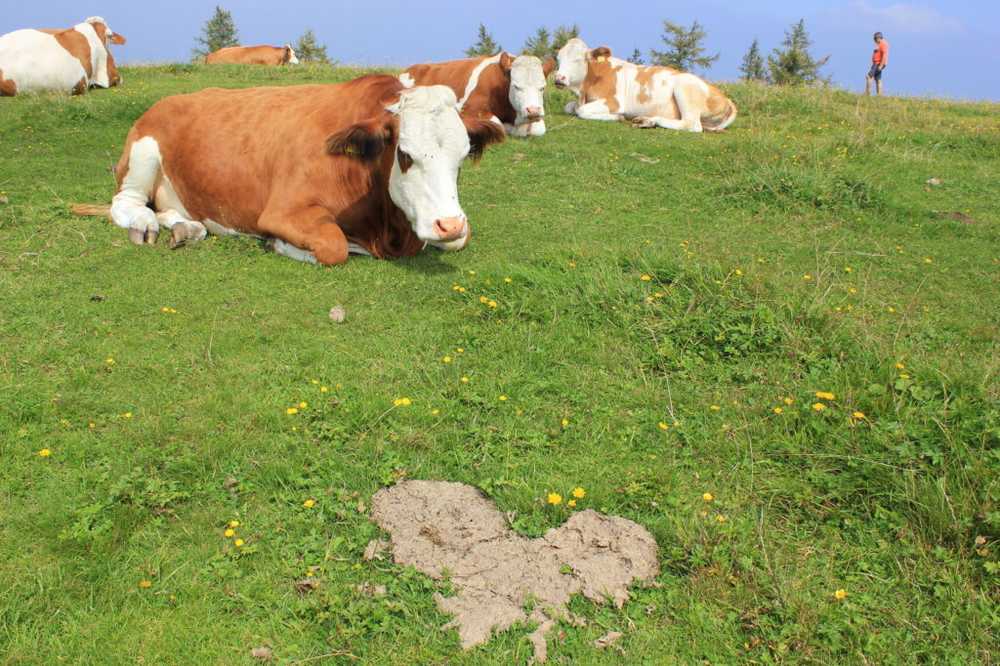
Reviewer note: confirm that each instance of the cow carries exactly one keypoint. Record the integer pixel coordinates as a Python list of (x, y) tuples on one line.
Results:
[(72, 60), (253, 55), (609, 88), (366, 166), (505, 89)]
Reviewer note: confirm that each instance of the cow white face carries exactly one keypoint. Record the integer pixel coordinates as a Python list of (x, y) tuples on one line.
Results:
[(433, 141), (290, 54), (572, 64), (527, 95), (106, 72)]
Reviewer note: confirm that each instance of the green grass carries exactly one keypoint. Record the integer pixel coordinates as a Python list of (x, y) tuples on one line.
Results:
[(817, 183)]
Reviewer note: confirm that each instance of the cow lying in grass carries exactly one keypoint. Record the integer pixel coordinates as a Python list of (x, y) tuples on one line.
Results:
[(610, 88), (71, 60), (253, 55), (507, 90), (365, 166)]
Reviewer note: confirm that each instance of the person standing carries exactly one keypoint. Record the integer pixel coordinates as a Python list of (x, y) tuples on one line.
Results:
[(880, 58)]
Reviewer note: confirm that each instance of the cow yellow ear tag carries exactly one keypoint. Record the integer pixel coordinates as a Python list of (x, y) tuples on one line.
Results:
[(350, 150), (602, 59)]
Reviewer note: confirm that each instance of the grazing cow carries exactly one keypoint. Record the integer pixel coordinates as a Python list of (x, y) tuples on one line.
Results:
[(253, 55), (365, 166), (507, 90), (609, 88), (70, 60)]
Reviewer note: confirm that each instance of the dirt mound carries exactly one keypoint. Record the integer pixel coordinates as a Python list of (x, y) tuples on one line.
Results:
[(440, 527)]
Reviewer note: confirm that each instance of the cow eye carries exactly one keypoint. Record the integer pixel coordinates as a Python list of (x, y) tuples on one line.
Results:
[(404, 159)]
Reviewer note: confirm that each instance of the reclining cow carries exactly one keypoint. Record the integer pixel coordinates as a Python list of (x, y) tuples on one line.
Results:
[(253, 55), (609, 88), (507, 90), (365, 166), (71, 60)]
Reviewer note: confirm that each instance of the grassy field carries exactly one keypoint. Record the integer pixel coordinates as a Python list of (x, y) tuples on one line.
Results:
[(668, 306)]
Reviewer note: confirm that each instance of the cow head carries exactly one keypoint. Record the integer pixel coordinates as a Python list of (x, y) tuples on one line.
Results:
[(289, 57), (108, 75), (429, 141), (527, 91), (573, 59)]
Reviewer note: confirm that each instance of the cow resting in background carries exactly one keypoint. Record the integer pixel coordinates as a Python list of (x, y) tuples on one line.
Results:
[(323, 170), (505, 89), (70, 60), (253, 55), (610, 88)]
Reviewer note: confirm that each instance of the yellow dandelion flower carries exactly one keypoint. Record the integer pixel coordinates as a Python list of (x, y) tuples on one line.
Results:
[(435, 412), (663, 426), (738, 272), (900, 366), (818, 406), (840, 594), (903, 375), (891, 310), (565, 423), (446, 359), (402, 402), (714, 408), (928, 260), (825, 395), (109, 361), (807, 277), (44, 453), (459, 350), (239, 543), (507, 280), (852, 290), (291, 411), (571, 504), (91, 425), (554, 498), (492, 304), (229, 533), (309, 503), (789, 401), (708, 497), (503, 398), (646, 278), (720, 518), (848, 269), (484, 300), (461, 290), (472, 272), (127, 415), (572, 264), (314, 381), (778, 410), (324, 389), (145, 584), (234, 523), (303, 404), (465, 380), (579, 493), (859, 416)]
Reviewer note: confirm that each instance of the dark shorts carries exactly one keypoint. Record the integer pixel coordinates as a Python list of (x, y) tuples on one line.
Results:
[(875, 72)]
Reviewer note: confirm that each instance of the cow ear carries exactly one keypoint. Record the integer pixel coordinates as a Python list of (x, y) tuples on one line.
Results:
[(506, 61), (481, 134), (548, 65), (600, 54), (117, 39), (365, 141)]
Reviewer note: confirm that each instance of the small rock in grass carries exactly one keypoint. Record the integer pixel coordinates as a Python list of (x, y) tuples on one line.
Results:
[(607, 640), (306, 585), (375, 549), (338, 314), (263, 653), (934, 182), (371, 590), (4, 199)]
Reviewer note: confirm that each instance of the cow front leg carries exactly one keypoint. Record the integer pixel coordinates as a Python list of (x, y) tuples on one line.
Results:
[(307, 234), (597, 110), (182, 230)]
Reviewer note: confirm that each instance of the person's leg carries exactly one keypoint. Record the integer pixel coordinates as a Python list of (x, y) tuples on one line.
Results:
[(878, 82)]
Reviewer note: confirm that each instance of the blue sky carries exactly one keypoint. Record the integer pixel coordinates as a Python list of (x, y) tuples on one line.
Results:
[(940, 48)]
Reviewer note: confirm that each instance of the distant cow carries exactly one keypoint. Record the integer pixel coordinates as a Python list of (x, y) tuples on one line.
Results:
[(70, 60), (253, 55), (501, 88), (365, 166), (609, 88)]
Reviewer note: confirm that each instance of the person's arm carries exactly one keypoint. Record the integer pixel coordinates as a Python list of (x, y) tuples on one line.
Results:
[(885, 56)]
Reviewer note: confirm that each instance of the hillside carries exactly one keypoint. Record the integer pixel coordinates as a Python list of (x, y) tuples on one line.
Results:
[(668, 307)]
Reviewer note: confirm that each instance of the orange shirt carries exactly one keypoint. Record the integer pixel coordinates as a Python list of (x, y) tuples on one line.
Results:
[(881, 53)]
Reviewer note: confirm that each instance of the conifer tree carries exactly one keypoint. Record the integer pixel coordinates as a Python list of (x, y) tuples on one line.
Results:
[(217, 33), (684, 48)]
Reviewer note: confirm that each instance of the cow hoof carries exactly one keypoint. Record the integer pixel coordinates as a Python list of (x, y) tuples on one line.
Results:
[(137, 236), (643, 123), (151, 235)]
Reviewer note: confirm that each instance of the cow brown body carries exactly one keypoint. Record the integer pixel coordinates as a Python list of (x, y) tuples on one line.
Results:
[(252, 55)]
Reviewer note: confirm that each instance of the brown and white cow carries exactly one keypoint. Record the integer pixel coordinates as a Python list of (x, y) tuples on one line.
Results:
[(70, 60), (610, 88), (505, 89), (365, 166), (253, 55)]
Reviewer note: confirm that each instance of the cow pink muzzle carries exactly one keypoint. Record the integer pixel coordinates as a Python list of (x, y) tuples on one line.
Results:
[(450, 228)]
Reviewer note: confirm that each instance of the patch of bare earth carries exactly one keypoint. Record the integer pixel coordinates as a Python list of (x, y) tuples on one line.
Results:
[(452, 530)]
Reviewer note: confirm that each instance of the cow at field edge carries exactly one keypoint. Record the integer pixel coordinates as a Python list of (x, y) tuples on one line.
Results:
[(253, 55), (365, 166), (501, 88), (610, 88), (70, 60)]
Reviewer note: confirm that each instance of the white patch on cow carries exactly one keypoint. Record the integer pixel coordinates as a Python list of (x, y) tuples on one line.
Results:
[(494, 119), (473, 82), (293, 59), (217, 229), (527, 95), (128, 207), (292, 252), (35, 61), (354, 248), (98, 51), (597, 110), (434, 136), (572, 59), (407, 80)]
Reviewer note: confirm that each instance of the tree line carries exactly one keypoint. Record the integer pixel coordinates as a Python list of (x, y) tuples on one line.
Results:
[(684, 49), (220, 32)]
